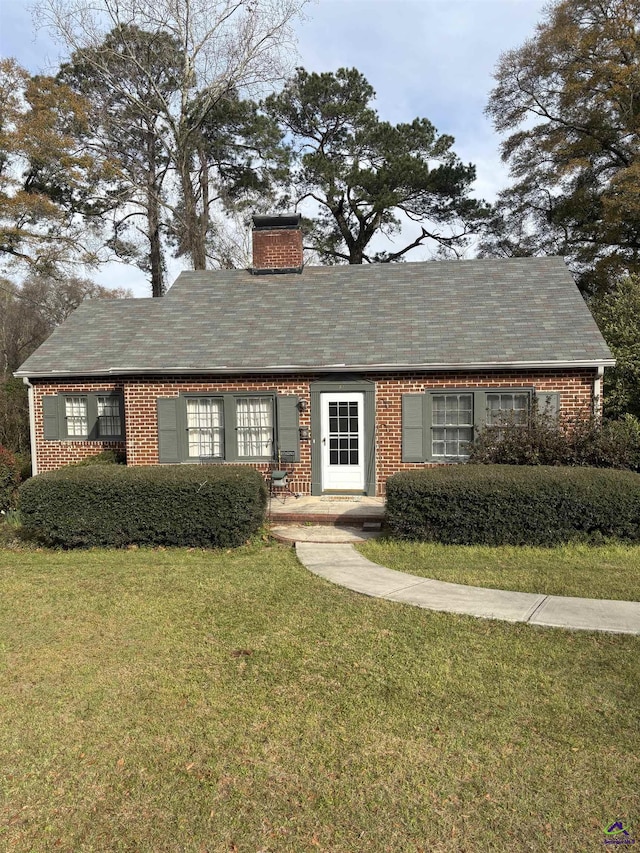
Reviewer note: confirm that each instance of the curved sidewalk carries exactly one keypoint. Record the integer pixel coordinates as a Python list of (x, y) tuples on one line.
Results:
[(342, 564)]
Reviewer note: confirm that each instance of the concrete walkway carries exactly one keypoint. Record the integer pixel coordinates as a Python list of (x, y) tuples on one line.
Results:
[(342, 564)]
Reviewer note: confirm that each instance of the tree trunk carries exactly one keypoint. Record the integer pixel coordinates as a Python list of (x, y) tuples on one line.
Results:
[(153, 220), (193, 237)]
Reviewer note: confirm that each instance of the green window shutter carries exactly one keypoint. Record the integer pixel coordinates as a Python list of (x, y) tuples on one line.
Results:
[(92, 416), (413, 427), (168, 433), (288, 431), (50, 418), (548, 402)]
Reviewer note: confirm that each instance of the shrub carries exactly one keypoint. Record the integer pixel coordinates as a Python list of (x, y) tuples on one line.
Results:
[(24, 464), (9, 479), (506, 504), (199, 505), (105, 457), (547, 440)]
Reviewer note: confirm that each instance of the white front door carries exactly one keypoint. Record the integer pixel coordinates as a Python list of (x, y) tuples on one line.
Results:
[(342, 442)]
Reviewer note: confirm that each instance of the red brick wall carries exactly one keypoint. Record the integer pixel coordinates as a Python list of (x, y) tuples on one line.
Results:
[(280, 248), (54, 454), (575, 388), (141, 393)]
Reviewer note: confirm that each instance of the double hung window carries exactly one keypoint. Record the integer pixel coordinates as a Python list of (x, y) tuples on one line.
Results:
[(441, 425), (109, 417), (91, 417), (452, 425), (254, 426), (227, 427), (77, 417), (205, 427)]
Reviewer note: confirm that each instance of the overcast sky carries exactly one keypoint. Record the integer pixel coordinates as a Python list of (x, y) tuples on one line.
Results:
[(427, 58)]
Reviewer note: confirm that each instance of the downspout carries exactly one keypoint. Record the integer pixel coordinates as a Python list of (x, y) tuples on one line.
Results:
[(597, 393), (32, 425)]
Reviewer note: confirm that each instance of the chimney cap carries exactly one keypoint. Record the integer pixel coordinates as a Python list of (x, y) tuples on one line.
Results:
[(285, 220)]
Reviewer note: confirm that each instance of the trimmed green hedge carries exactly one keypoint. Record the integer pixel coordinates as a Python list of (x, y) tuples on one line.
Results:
[(216, 506), (508, 504)]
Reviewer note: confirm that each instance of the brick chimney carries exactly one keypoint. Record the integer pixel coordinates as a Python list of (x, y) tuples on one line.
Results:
[(277, 244)]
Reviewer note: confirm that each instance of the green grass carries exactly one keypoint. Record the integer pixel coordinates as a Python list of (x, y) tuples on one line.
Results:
[(587, 571), (202, 701)]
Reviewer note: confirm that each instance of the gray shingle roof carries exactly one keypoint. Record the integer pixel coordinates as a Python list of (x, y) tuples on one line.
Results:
[(501, 313)]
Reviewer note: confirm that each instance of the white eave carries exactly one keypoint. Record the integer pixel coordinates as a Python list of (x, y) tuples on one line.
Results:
[(325, 368)]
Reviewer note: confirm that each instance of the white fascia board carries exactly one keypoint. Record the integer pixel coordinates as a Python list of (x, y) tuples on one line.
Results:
[(325, 368)]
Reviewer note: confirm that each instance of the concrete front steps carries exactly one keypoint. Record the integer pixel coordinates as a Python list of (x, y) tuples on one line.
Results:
[(322, 533), (352, 518)]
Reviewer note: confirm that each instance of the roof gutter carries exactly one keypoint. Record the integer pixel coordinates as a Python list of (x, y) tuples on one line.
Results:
[(600, 364)]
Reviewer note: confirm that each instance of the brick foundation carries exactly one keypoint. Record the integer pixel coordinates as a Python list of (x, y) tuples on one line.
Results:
[(141, 426)]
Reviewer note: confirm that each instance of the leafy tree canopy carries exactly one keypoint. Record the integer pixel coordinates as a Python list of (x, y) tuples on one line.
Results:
[(618, 316), (366, 175), (217, 50), (568, 101), (128, 80), (46, 178)]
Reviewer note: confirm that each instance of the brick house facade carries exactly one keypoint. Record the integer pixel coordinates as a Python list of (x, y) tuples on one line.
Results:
[(140, 394), (351, 417)]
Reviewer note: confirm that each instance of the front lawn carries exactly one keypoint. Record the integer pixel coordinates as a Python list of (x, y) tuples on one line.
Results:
[(585, 571), (230, 701)]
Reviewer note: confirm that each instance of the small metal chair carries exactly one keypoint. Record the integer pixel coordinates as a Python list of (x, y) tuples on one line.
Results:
[(281, 474)]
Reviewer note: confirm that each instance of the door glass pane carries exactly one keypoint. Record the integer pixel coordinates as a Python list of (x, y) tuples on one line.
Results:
[(343, 433)]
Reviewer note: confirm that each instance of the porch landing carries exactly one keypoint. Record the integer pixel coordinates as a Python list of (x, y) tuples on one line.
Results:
[(347, 511)]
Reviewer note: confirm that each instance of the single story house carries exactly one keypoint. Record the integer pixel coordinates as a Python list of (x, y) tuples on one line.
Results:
[(361, 371)]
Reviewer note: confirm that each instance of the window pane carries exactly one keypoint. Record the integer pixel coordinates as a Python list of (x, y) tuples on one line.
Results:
[(76, 416), (438, 409), (507, 408), (205, 427), (254, 421), (109, 418), (520, 408), (465, 410)]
